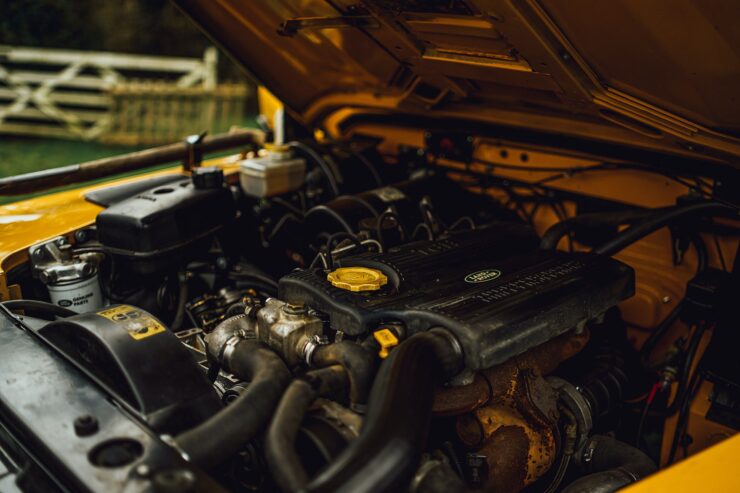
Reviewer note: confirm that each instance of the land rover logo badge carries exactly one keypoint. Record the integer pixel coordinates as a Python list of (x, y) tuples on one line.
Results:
[(482, 276)]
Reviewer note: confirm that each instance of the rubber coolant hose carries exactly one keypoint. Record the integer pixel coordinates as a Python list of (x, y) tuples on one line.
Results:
[(387, 453), (358, 361), (225, 433), (552, 236), (280, 440), (665, 217), (614, 465)]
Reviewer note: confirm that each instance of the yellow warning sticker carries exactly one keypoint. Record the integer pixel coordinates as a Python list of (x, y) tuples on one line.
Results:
[(138, 323)]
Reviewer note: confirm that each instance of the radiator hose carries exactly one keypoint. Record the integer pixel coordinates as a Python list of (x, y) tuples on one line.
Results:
[(663, 218), (612, 465), (280, 447), (358, 362), (387, 453), (225, 433)]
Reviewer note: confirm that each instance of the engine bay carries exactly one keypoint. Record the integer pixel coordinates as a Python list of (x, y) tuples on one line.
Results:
[(326, 316)]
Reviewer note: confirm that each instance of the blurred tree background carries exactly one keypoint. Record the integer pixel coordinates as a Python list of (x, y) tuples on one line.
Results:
[(152, 27)]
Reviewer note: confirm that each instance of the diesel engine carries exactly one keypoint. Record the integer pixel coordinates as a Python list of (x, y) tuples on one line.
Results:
[(323, 318)]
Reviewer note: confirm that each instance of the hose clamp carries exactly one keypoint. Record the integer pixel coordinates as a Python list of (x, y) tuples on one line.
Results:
[(311, 345), (229, 349), (588, 452), (571, 396), (170, 440)]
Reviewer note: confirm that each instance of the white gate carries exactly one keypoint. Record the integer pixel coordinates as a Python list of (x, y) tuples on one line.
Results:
[(61, 93)]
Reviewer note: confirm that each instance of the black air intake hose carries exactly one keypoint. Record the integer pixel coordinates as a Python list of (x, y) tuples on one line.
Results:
[(613, 465), (387, 453), (552, 236), (663, 218), (358, 361), (280, 440), (643, 223), (225, 433)]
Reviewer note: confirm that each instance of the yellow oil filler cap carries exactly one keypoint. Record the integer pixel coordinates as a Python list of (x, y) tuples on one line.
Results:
[(357, 279), (387, 340)]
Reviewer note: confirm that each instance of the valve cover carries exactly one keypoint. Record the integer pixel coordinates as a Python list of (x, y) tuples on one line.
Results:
[(493, 288)]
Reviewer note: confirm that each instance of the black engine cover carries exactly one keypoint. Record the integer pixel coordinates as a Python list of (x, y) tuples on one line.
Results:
[(141, 363), (492, 288), (163, 226)]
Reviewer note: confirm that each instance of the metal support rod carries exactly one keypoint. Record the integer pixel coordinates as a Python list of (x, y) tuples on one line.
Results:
[(100, 168)]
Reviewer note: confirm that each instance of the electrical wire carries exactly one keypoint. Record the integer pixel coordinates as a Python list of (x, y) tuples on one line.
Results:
[(701, 185), (657, 334), (331, 213), (325, 167), (419, 227), (683, 417), (685, 371), (463, 219), (381, 220), (289, 206), (643, 417), (364, 203), (344, 235), (369, 165)]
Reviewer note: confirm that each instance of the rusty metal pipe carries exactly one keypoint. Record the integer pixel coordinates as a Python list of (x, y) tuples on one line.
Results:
[(100, 168)]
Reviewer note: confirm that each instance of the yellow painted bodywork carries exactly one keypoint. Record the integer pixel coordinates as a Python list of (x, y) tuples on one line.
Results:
[(35, 220), (268, 105), (713, 470)]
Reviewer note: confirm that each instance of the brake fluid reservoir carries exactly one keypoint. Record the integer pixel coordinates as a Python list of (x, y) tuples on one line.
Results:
[(274, 172), (72, 280)]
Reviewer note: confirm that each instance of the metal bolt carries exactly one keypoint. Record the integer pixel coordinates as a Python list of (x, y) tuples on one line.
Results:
[(666, 299), (38, 253), (143, 470), (81, 236), (48, 276), (86, 425), (61, 241)]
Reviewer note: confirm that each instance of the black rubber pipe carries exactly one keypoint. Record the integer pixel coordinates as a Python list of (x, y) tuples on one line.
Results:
[(40, 307), (225, 433), (552, 236), (661, 219), (182, 300), (441, 478), (280, 452), (358, 361), (387, 453), (612, 466)]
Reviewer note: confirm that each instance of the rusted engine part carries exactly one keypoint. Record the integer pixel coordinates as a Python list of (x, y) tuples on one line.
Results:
[(509, 414)]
